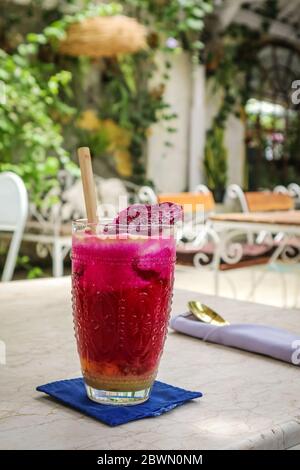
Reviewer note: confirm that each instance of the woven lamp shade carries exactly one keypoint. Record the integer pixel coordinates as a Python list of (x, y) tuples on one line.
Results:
[(104, 37)]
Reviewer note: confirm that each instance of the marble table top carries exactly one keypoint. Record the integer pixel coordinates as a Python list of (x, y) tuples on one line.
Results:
[(249, 401)]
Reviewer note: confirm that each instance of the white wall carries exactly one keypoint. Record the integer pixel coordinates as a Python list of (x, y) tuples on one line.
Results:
[(196, 103), (197, 131), (168, 167)]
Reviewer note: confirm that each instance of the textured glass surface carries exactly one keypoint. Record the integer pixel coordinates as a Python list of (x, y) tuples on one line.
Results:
[(122, 290)]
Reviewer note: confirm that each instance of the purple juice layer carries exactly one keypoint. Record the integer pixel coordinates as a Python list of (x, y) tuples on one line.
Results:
[(121, 299)]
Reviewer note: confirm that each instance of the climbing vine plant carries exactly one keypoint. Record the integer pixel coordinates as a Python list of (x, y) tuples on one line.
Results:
[(228, 71), (173, 26), (230, 61), (41, 110), (31, 116)]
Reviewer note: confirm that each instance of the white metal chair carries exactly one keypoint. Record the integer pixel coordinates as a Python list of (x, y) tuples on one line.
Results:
[(146, 195), (289, 197), (13, 215), (50, 226), (293, 190)]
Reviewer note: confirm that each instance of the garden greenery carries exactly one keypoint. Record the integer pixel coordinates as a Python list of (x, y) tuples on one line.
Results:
[(31, 142), (231, 69), (41, 104), (229, 72)]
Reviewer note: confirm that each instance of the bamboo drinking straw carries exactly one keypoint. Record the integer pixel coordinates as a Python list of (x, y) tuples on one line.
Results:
[(88, 184)]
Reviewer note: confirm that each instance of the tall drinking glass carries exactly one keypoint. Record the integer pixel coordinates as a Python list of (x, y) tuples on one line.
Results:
[(122, 290)]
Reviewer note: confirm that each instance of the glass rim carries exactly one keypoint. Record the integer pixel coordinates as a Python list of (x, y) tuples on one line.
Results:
[(109, 221)]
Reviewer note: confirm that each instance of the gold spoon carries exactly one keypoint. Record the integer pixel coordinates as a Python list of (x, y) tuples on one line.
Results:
[(205, 314)]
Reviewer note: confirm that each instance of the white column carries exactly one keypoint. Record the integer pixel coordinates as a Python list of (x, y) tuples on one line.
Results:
[(197, 128), (168, 166)]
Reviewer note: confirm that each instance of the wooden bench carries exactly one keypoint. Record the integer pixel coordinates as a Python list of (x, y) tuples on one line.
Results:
[(268, 202), (191, 202)]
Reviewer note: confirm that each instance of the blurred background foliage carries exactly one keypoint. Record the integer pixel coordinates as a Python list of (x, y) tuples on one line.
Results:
[(55, 103)]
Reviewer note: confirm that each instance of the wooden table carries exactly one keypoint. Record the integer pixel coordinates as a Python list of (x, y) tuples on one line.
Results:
[(289, 221), (284, 226), (249, 401)]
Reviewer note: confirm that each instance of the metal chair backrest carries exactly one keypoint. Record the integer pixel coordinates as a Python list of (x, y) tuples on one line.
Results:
[(13, 216), (261, 201), (13, 201)]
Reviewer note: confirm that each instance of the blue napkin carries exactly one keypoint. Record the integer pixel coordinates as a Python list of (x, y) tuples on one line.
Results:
[(163, 398)]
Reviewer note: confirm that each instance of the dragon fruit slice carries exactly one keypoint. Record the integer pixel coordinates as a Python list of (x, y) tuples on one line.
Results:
[(170, 213), (142, 218)]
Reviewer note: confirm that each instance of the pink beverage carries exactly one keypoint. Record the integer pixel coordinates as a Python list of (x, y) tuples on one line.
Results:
[(122, 292)]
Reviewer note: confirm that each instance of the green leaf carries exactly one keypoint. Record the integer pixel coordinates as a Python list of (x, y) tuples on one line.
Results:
[(198, 12), (198, 45), (55, 33), (36, 38), (53, 85), (34, 273), (207, 7), (194, 24), (4, 76), (27, 49), (51, 166)]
